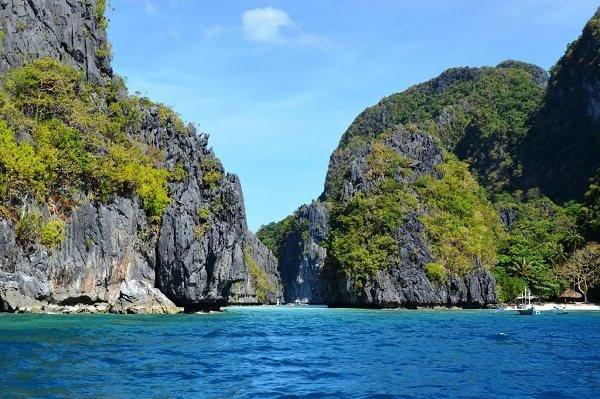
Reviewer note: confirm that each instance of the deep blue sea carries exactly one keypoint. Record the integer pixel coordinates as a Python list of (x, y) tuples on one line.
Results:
[(302, 352)]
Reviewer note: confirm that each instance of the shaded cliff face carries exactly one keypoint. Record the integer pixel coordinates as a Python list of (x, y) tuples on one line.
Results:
[(563, 150), (152, 234), (70, 31)]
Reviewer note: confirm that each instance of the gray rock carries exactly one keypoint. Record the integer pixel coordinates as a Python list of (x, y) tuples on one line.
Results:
[(141, 297), (403, 282), (104, 246), (246, 292), (303, 258), (65, 30), (111, 247), (12, 300)]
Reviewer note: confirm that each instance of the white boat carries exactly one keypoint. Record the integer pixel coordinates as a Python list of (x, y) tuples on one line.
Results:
[(524, 306), (560, 309)]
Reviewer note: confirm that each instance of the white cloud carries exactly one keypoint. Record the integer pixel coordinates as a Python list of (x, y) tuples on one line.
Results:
[(269, 26), (266, 25)]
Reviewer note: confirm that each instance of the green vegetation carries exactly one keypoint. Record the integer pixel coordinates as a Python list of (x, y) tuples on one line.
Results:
[(28, 227), (199, 231), (104, 52), (590, 214), (537, 241), (462, 225), (166, 115), (436, 272), (259, 278), (273, 235), (384, 162), (73, 138), (100, 14), (211, 172), (52, 233), (582, 270), (362, 237), (2, 35), (494, 105), (507, 287), (204, 214), (179, 173)]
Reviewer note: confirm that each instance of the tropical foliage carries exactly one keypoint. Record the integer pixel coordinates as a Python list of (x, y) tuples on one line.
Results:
[(462, 225), (62, 136)]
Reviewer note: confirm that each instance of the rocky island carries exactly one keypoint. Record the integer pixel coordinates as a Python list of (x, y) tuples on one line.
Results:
[(458, 191)]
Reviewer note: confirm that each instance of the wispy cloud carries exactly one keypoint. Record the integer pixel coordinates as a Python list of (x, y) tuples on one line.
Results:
[(314, 40), (269, 26), (266, 25), (149, 6), (216, 31)]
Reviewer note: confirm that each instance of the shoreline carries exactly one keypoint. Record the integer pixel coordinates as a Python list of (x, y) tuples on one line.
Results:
[(550, 306), (86, 310)]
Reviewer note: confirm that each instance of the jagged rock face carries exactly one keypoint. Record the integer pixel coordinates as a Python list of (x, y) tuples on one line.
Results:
[(199, 271), (105, 245), (246, 292), (112, 257), (405, 283), (65, 30), (303, 257), (563, 150)]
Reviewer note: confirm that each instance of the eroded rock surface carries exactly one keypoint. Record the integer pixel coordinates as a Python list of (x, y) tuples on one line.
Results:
[(69, 31)]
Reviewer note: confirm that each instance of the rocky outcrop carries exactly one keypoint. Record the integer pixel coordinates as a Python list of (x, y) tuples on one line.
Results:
[(109, 246), (70, 31), (113, 258), (263, 282), (303, 256), (141, 297), (405, 283), (105, 245)]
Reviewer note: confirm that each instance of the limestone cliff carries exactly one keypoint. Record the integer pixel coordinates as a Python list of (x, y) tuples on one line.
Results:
[(113, 257), (70, 31)]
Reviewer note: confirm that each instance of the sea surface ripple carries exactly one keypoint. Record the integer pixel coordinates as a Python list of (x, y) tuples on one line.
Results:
[(301, 352)]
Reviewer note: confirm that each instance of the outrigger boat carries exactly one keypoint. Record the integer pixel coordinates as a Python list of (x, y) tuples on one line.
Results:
[(524, 306)]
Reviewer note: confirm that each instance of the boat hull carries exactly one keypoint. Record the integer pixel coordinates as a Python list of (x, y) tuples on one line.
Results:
[(525, 312)]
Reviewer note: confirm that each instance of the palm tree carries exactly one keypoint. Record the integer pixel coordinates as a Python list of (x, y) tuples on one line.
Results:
[(573, 239), (522, 267)]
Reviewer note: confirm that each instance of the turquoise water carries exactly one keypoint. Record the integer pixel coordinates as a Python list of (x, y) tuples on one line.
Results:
[(302, 352)]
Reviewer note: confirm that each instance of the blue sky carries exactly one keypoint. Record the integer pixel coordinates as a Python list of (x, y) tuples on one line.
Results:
[(276, 83)]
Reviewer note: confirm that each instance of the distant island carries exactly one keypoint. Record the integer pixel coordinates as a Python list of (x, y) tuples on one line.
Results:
[(458, 192)]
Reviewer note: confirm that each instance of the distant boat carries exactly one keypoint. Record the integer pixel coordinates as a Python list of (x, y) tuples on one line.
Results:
[(524, 306), (561, 309)]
